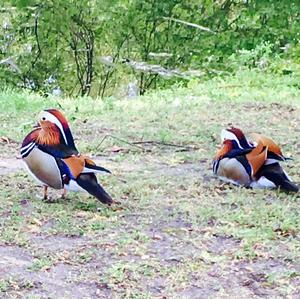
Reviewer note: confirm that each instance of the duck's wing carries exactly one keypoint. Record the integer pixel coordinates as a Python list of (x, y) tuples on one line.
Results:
[(257, 158), (91, 167), (274, 151), (75, 177)]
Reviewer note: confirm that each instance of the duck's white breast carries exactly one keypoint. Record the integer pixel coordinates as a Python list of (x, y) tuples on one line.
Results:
[(43, 168)]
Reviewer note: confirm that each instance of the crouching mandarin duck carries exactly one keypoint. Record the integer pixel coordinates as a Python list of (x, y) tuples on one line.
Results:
[(51, 157), (254, 164)]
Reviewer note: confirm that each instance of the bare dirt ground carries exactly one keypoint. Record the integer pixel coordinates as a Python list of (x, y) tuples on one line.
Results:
[(159, 255)]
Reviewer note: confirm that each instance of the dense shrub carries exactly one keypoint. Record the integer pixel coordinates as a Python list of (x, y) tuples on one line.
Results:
[(96, 48)]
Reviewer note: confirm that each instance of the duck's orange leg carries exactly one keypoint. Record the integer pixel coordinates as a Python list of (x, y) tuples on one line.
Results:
[(45, 192), (63, 195)]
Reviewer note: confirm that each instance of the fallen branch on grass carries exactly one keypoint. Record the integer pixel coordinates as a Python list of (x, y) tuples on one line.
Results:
[(123, 141), (136, 144), (187, 148)]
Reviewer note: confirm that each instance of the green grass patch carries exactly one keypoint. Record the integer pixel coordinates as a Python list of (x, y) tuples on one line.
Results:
[(177, 226)]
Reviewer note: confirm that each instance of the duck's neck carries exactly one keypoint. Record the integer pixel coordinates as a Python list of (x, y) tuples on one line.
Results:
[(49, 136)]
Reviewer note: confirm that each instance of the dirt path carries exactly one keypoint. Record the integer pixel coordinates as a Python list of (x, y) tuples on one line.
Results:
[(10, 165), (159, 252)]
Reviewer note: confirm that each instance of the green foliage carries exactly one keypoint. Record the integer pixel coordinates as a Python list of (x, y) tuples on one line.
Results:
[(67, 41)]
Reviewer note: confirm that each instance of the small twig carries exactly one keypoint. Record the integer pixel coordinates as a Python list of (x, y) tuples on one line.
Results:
[(135, 144), (167, 144), (122, 140)]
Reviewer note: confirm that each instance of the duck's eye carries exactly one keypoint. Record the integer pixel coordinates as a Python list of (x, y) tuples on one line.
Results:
[(44, 118)]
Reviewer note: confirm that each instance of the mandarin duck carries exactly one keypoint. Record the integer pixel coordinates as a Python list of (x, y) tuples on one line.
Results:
[(51, 157), (262, 172), (236, 135), (238, 166)]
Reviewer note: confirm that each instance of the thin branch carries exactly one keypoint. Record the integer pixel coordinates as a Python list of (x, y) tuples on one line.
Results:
[(150, 80), (36, 33), (190, 24), (153, 142), (167, 144), (123, 141), (36, 17)]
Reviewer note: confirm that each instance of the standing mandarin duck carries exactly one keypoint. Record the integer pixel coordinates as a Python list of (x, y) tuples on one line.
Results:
[(268, 174), (51, 157)]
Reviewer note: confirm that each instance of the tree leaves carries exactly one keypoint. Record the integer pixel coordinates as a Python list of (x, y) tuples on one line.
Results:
[(65, 39)]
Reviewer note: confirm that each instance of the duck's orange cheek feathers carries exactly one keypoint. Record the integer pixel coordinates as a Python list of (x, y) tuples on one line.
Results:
[(48, 138), (225, 149)]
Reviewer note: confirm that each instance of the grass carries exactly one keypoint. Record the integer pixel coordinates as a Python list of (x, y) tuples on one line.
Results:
[(180, 233)]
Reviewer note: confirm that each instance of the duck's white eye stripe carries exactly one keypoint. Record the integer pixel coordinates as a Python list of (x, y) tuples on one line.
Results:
[(225, 134), (50, 117)]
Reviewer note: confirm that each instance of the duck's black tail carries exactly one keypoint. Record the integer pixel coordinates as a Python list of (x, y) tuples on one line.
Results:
[(88, 182), (276, 174)]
